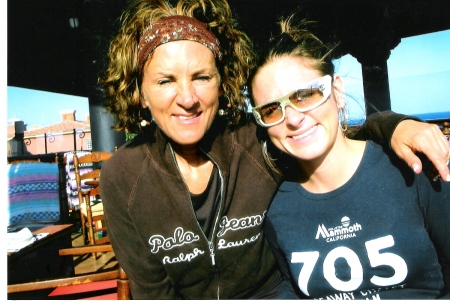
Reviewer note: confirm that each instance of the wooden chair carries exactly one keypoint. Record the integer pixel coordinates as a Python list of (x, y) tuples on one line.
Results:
[(88, 187), (78, 284), (446, 128)]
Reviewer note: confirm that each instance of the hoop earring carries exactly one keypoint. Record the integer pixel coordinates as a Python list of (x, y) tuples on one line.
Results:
[(225, 112), (343, 118), (266, 153), (269, 160)]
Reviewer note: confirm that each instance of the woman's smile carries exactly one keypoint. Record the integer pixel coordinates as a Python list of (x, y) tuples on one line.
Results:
[(305, 134)]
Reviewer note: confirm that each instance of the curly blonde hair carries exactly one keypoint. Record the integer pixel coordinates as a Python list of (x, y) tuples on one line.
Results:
[(122, 79)]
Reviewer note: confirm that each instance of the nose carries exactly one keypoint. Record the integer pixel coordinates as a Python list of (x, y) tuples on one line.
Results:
[(186, 96), (293, 117)]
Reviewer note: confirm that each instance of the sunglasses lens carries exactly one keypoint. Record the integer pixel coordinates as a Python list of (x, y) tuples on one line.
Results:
[(271, 113), (304, 99), (301, 100)]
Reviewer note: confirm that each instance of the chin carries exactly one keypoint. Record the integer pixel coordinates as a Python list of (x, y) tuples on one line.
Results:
[(308, 153), (188, 138)]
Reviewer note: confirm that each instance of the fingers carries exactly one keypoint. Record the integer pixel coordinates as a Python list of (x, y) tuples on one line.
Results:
[(444, 170), (437, 148), (416, 136), (440, 156), (410, 158), (413, 161)]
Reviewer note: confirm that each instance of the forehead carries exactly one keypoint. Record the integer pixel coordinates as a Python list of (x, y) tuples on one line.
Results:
[(182, 52), (280, 76), (287, 66)]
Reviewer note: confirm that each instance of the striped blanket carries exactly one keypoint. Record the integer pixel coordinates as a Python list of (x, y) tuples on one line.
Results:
[(72, 189), (33, 193)]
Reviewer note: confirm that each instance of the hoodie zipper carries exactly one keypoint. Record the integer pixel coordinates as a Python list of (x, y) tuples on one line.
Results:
[(218, 211), (211, 253), (213, 234)]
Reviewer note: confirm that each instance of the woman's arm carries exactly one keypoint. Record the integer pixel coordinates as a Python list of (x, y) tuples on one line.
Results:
[(148, 277), (406, 136)]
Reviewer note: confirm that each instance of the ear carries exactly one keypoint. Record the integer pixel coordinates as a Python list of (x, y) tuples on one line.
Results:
[(338, 91), (144, 103)]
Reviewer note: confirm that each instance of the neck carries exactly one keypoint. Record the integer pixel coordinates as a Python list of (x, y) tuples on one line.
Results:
[(189, 154), (194, 166), (332, 170)]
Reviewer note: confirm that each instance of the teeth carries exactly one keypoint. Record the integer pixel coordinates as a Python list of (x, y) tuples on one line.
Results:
[(187, 118), (305, 133)]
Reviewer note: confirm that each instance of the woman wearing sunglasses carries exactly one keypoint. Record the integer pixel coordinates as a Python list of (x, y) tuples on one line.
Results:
[(351, 221)]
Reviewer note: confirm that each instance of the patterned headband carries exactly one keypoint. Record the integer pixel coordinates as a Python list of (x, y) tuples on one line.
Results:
[(175, 28)]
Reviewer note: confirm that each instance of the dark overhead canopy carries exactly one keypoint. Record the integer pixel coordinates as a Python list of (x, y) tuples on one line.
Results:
[(46, 53)]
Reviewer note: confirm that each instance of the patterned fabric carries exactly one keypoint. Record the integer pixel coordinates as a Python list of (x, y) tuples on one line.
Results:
[(175, 28), (72, 191), (33, 193)]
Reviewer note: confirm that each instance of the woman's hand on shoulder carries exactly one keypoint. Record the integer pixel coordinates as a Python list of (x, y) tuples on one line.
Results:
[(411, 137)]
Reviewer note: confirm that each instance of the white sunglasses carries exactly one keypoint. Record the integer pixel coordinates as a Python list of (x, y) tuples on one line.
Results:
[(302, 100)]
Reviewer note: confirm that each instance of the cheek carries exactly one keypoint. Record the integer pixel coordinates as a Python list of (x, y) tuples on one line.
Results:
[(277, 141), (328, 111), (215, 106), (160, 100), (207, 93), (209, 98), (275, 132)]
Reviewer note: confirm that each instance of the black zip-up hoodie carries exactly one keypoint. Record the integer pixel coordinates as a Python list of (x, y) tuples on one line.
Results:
[(153, 228)]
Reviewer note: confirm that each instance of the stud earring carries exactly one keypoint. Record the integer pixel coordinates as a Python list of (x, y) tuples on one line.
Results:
[(142, 121), (224, 112)]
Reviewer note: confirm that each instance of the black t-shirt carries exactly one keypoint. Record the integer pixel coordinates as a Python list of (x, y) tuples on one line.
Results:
[(206, 203), (372, 238)]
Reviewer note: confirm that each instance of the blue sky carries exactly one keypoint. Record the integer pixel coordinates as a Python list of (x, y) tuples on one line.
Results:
[(419, 76), (42, 108), (419, 72)]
